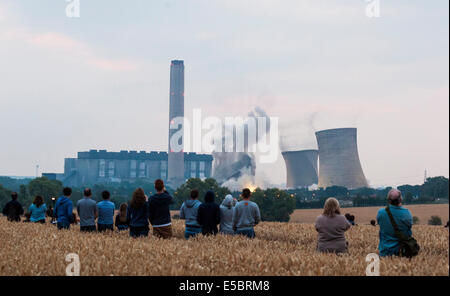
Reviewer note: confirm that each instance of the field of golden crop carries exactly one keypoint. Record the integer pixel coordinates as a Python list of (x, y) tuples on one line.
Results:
[(280, 249)]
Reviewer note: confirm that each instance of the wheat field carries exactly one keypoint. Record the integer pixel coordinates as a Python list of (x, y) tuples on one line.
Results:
[(280, 249)]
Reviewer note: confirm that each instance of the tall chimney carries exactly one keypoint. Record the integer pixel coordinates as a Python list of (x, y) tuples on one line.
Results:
[(176, 110)]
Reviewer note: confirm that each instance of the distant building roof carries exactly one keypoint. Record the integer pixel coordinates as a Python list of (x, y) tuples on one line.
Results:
[(134, 155)]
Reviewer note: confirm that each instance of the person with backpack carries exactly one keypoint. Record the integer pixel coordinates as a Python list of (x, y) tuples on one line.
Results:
[(159, 211), (13, 209), (37, 210), (226, 215), (63, 210), (87, 211), (246, 215), (106, 209), (209, 215), (389, 244), (137, 214), (122, 222), (189, 212)]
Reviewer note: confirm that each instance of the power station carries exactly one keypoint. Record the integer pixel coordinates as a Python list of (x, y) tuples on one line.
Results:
[(301, 168), (176, 110), (338, 159), (339, 163), (337, 155)]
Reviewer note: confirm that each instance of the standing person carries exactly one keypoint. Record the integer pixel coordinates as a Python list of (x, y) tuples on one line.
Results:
[(246, 215), (87, 211), (226, 215), (331, 226), (106, 210), (137, 214), (13, 209), (122, 222), (63, 210), (37, 210), (189, 212), (209, 215), (159, 212), (389, 243)]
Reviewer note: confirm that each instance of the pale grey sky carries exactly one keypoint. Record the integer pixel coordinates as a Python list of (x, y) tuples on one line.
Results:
[(101, 81)]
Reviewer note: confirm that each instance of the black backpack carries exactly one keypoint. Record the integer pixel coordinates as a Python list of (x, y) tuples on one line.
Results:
[(408, 245)]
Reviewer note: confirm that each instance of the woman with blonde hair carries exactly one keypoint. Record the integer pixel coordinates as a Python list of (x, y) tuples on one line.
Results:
[(331, 226)]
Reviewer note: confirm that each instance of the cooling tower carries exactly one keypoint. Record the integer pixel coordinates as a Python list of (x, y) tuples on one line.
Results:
[(301, 168), (175, 166), (339, 163)]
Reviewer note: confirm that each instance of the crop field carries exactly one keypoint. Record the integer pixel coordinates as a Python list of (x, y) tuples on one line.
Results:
[(364, 215), (280, 249)]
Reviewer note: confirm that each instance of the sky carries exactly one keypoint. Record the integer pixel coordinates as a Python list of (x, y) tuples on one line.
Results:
[(101, 81)]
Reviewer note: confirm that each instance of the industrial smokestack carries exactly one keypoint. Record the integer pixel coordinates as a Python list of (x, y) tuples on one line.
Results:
[(339, 163), (301, 168), (176, 109)]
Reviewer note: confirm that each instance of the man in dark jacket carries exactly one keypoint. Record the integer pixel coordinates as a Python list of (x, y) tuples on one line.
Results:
[(13, 209), (209, 215), (63, 210), (159, 212)]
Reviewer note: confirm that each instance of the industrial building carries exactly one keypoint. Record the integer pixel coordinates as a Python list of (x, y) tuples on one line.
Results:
[(176, 110), (301, 168), (96, 167), (339, 163)]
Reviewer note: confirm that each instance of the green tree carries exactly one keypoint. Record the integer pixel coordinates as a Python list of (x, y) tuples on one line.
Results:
[(45, 188), (5, 196), (274, 204), (437, 187)]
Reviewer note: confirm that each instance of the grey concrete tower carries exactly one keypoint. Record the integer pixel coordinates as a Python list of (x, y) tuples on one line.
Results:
[(176, 109), (301, 168), (339, 163)]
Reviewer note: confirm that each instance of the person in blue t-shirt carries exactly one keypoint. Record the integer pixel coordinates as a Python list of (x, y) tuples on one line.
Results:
[(37, 210), (63, 210), (106, 210), (389, 244)]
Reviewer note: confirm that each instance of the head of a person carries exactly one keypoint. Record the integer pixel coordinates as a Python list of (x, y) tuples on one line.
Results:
[(38, 201), (138, 199), (67, 191), (159, 185), (352, 218), (210, 196), (123, 211), (331, 207), (347, 216), (228, 201), (373, 222), (87, 192), (246, 193), (14, 196), (194, 194), (106, 195), (394, 197)]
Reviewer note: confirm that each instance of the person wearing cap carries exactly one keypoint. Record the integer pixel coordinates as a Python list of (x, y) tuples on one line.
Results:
[(389, 244)]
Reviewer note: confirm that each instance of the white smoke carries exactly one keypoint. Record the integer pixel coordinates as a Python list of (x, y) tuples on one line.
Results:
[(232, 166)]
